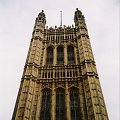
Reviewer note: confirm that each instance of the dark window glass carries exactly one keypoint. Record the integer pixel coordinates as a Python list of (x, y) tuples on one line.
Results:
[(46, 105), (60, 104), (70, 74), (49, 55), (55, 74), (49, 75), (76, 73), (74, 104), (60, 55), (45, 75), (67, 74), (70, 51), (63, 74)]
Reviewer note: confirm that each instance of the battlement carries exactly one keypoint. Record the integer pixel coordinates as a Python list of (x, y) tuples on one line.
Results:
[(60, 30)]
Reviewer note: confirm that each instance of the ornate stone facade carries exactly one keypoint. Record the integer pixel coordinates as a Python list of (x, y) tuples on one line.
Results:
[(60, 80)]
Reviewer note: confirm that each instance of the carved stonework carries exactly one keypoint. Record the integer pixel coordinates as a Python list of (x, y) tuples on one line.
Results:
[(70, 44), (78, 14), (60, 84), (60, 74), (46, 85), (72, 84)]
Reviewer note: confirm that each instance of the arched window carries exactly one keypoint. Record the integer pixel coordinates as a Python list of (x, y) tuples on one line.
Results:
[(74, 104), (46, 105), (70, 51), (60, 104), (60, 55), (49, 55)]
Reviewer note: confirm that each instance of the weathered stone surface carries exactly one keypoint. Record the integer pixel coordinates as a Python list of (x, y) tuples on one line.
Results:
[(60, 59)]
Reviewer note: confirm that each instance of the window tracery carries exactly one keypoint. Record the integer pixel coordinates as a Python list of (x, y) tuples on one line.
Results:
[(60, 104), (49, 55), (70, 51), (46, 105), (74, 104), (60, 55)]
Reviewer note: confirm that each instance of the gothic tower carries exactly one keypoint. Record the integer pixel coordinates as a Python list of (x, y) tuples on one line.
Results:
[(60, 80)]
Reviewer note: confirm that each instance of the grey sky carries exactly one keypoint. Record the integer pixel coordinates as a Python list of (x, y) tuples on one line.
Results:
[(16, 24)]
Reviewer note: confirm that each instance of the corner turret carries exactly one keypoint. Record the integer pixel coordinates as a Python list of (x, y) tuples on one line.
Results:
[(78, 15), (42, 17), (39, 27)]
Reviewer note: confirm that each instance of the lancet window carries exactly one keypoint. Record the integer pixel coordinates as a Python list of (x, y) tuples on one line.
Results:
[(70, 51), (46, 105), (49, 55), (60, 104), (74, 104), (60, 55)]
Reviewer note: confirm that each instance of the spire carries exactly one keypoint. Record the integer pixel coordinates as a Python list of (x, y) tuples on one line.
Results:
[(60, 18)]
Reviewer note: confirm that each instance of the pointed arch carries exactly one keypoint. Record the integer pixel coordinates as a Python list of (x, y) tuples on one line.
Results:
[(74, 104), (60, 104), (46, 105), (70, 52), (49, 55), (60, 55)]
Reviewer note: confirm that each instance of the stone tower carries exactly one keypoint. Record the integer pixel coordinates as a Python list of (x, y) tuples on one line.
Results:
[(60, 80)]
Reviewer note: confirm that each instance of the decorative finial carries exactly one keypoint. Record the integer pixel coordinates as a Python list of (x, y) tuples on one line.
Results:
[(41, 16), (78, 14), (76, 8)]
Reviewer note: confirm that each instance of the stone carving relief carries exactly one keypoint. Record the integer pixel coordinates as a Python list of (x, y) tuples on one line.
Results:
[(72, 84), (60, 84), (46, 85)]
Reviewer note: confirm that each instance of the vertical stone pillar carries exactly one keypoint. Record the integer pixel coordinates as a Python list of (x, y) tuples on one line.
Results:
[(38, 110), (53, 102), (29, 99), (67, 101), (55, 56), (82, 101), (44, 56), (65, 55), (75, 55)]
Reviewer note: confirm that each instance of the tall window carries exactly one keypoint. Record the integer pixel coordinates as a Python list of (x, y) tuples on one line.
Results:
[(60, 55), (74, 104), (49, 55), (46, 105), (60, 104), (70, 51)]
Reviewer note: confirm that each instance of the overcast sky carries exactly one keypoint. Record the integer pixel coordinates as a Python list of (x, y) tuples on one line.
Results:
[(17, 18)]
